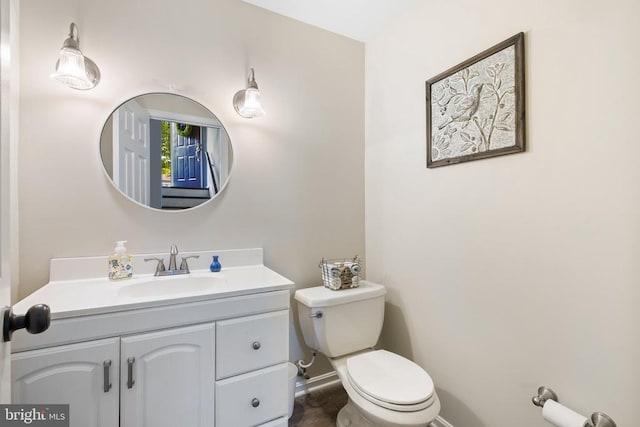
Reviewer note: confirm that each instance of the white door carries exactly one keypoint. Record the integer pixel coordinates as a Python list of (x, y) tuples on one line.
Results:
[(132, 151), (167, 378), (8, 165), (84, 375)]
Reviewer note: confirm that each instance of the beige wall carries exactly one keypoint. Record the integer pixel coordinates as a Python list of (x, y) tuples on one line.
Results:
[(297, 186), (509, 273)]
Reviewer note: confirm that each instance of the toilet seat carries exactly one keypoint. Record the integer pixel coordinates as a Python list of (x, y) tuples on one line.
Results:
[(390, 381)]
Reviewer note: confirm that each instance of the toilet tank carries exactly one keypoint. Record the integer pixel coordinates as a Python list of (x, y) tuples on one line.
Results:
[(341, 322)]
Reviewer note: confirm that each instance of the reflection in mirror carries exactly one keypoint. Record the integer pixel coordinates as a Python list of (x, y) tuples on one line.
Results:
[(166, 151)]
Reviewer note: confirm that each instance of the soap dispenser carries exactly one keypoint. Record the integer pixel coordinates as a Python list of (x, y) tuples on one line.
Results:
[(120, 262)]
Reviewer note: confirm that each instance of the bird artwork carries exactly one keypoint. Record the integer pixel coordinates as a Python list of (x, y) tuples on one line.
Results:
[(465, 107), (475, 109)]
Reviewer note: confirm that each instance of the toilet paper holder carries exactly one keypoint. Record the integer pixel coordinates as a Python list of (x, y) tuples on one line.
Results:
[(598, 419)]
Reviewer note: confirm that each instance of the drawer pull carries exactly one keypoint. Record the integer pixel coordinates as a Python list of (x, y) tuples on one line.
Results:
[(106, 385), (255, 402), (130, 381), (256, 345)]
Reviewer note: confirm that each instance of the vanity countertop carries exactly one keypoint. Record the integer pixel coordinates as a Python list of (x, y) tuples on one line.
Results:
[(96, 296)]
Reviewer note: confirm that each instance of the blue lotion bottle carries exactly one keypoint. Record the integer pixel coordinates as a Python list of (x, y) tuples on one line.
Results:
[(215, 265)]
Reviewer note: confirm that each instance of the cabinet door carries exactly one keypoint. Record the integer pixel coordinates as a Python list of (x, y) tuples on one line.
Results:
[(84, 375), (167, 378)]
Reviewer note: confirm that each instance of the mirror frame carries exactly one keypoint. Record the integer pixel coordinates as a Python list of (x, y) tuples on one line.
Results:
[(222, 186)]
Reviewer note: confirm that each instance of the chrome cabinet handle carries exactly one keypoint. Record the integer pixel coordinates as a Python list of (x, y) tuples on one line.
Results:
[(256, 345), (106, 366), (255, 402), (130, 381)]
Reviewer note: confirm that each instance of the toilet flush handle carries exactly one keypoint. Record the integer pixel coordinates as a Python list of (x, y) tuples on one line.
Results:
[(317, 315)]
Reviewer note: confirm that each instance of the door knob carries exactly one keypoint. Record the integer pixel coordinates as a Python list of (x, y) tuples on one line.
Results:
[(36, 320)]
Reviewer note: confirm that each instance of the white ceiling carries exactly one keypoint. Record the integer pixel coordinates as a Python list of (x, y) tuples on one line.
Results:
[(357, 19)]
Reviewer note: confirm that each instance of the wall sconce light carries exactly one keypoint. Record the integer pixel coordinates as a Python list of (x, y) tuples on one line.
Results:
[(247, 101), (73, 68)]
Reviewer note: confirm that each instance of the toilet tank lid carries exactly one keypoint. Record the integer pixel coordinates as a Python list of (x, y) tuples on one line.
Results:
[(319, 296)]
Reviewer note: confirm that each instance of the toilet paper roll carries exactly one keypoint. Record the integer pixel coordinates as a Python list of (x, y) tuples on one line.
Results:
[(561, 416)]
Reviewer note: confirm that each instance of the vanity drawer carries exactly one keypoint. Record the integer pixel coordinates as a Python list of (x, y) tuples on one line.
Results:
[(280, 422), (252, 342), (252, 399)]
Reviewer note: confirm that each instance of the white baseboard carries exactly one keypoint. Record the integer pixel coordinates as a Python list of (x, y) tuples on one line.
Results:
[(331, 379)]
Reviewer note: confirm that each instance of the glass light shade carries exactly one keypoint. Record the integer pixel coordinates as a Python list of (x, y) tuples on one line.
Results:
[(252, 106), (74, 70)]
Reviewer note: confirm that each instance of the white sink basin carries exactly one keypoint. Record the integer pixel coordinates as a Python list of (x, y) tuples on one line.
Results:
[(182, 284)]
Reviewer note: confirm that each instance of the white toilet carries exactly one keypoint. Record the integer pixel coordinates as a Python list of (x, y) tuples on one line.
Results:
[(384, 389)]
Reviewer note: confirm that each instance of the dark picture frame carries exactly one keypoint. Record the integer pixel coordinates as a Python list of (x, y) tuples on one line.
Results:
[(476, 109)]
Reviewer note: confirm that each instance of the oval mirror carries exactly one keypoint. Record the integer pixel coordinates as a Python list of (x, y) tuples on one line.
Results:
[(166, 151)]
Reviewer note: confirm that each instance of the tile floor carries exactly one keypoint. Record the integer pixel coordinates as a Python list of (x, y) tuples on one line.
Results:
[(318, 409)]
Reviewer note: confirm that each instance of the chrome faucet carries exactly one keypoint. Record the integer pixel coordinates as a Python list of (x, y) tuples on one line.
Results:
[(172, 257), (172, 270), (160, 268), (183, 264)]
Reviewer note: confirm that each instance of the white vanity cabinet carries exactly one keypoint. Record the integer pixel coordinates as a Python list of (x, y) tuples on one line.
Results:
[(218, 362)]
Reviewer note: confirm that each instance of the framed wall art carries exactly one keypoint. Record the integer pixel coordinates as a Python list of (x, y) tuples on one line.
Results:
[(475, 110)]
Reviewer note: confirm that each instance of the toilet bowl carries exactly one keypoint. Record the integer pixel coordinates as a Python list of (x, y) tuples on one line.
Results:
[(384, 389)]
